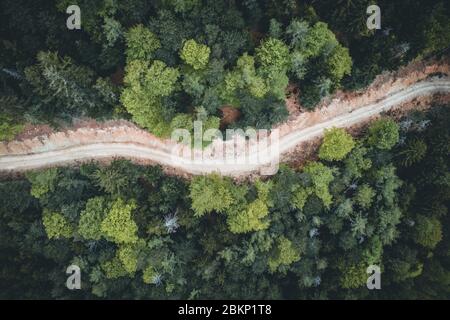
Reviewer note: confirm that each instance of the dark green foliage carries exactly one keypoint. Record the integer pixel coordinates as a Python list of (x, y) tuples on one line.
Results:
[(305, 233), (383, 134), (261, 113), (299, 234)]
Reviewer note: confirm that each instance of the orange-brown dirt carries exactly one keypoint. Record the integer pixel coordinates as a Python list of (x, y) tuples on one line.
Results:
[(229, 115), (308, 151), (86, 131)]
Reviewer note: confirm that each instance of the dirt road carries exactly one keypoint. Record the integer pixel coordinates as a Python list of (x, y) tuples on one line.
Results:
[(256, 156)]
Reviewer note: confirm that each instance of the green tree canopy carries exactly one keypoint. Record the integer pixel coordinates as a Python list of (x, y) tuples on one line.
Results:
[(128, 255), (317, 37), (273, 54), (141, 43), (195, 54), (428, 231), (254, 216), (89, 225), (9, 127), (339, 63), (353, 275), (337, 143), (243, 77), (146, 85), (118, 224), (210, 193), (364, 196), (62, 85), (321, 176), (43, 181), (284, 254), (383, 133), (56, 226), (114, 268), (414, 150)]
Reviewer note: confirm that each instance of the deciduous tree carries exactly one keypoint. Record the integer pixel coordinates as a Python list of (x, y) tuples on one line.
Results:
[(118, 225), (195, 54), (89, 225), (141, 43), (56, 226), (428, 231), (210, 193), (383, 134), (284, 254), (337, 143)]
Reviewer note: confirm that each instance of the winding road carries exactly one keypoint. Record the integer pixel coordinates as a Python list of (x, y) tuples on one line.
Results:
[(260, 157)]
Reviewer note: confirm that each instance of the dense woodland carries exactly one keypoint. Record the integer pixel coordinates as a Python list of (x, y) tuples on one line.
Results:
[(163, 64), (306, 233)]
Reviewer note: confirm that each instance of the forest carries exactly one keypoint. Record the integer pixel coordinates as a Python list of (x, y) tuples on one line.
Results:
[(309, 232), (306, 233)]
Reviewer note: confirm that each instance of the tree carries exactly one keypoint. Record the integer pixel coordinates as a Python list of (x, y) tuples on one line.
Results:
[(428, 231), (388, 182), (114, 268), (128, 255), (150, 276), (353, 275), (315, 91), (383, 134), (296, 31), (182, 6), (12, 116), (253, 216), (364, 196), (107, 91), (171, 31), (114, 179), (317, 60), (273, 54), (56, 226), (146, 85), (299, 65), (337, 143), (249, 219), (210, 193), (339, 63), (261, 113), (300, 197), (316, 39), (277, 83), (413, 152), (321, 176), (89, 225), (9, 127), (435, 30), (118, 224), (42, 182), (283, 254), (356, 163), (275, 29), (112, 30), (182, 121), (243, 77), (62, 85), (141, 43), (193, 84), (194, 54)]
